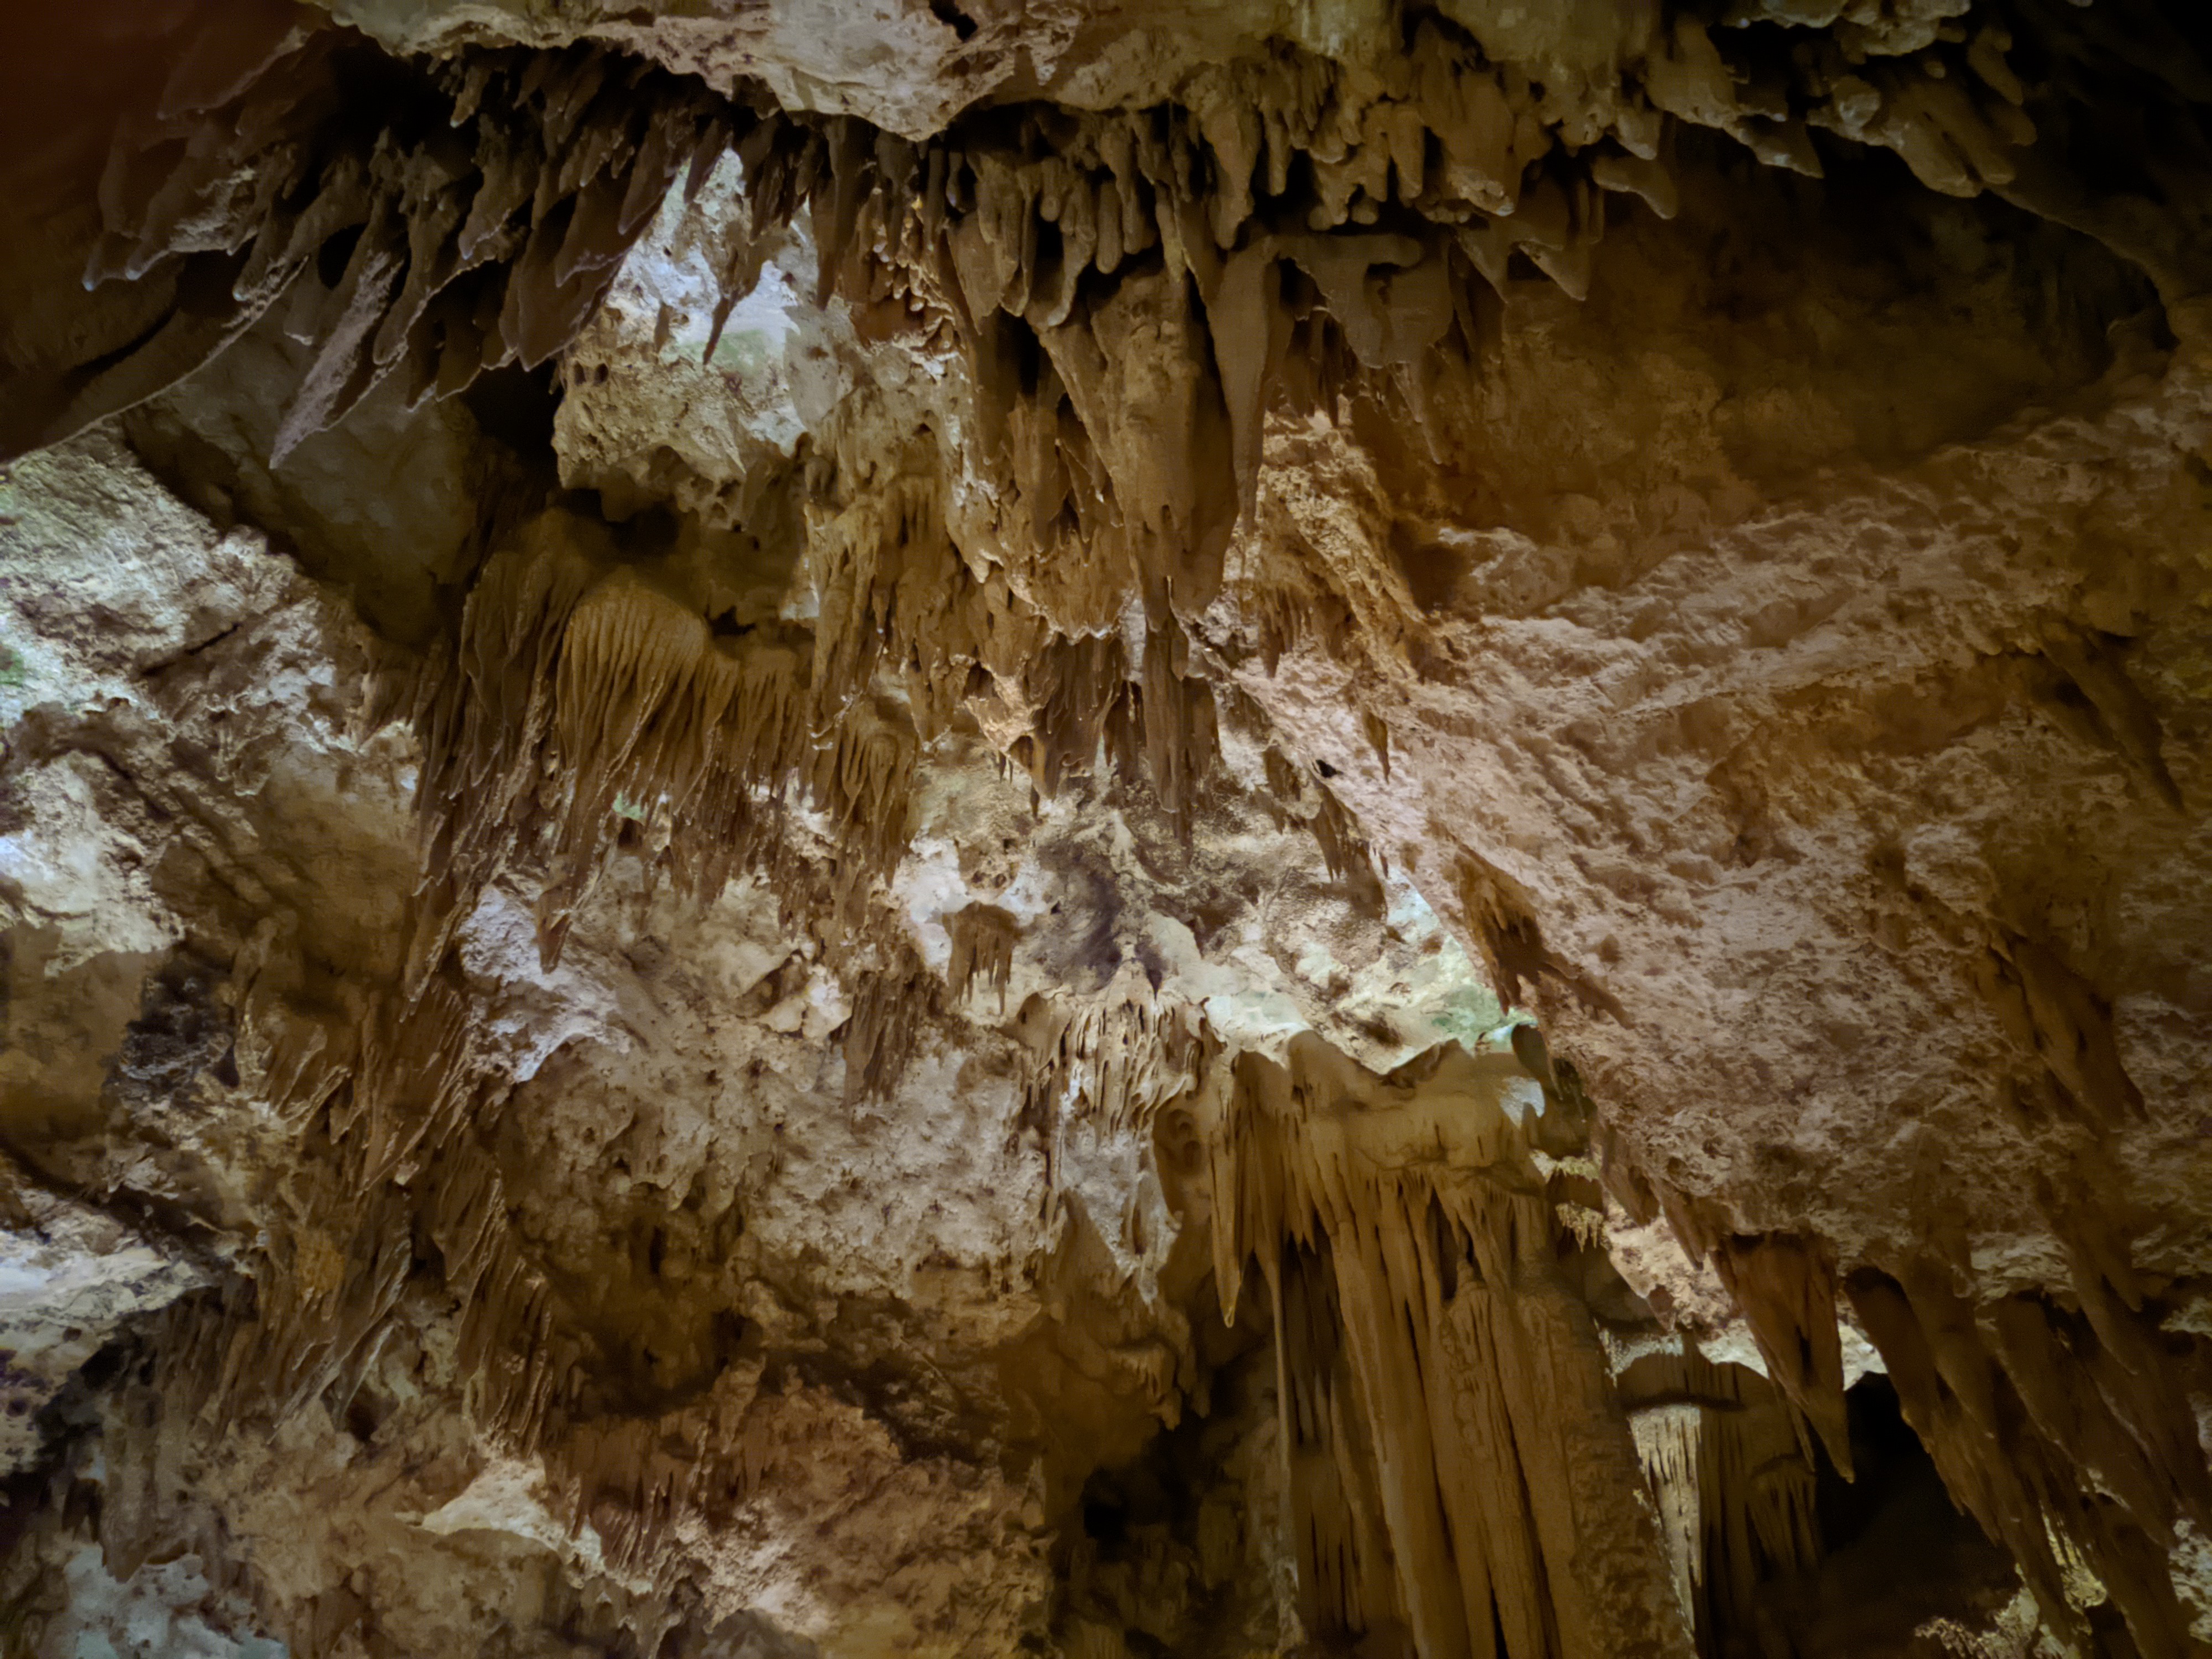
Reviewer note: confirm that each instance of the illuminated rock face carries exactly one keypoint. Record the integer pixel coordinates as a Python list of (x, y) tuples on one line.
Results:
[(921, 830)]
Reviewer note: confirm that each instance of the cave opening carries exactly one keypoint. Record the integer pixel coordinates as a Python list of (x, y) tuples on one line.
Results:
[(1901, 1563)]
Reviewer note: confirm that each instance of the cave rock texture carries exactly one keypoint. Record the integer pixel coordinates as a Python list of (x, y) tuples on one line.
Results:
[(850, 828)]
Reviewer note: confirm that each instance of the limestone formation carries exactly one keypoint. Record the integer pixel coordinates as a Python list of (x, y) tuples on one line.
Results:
[(1261, 829)]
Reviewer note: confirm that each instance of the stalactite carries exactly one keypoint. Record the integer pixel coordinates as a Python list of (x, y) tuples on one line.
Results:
[(1670, 1441), (1453, 1445), (472, 215), (2051, 1013), (1734, 1478), (405, 1171), (1344, 850), (1785, 1287), (2016, 1399), (1134, 293), (581, 693), (893, 1000), (1041, 244), (983, 939), (1109, 1066), (652, 714)]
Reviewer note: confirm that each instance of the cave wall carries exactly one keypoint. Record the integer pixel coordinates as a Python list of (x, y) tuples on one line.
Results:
[(1294, 832)]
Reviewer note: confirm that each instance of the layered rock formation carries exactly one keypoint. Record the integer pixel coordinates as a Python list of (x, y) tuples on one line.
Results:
[(1303, 830)]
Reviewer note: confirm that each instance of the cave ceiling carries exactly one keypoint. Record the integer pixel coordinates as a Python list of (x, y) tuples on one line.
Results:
[(854, 828)]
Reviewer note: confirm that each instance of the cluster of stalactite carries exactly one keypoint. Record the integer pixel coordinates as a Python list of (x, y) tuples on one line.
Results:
[(1734, 1480), (582, 695), (1474, 1460), (401, 1191), (1461, 1462), (2066, 1432), (586, 700), (1473, 1466), (431, 221), (440, 219), (984, 936), (1130, 292), (1129, 289), (1289, 223), (2060, 1421), (585, 703)]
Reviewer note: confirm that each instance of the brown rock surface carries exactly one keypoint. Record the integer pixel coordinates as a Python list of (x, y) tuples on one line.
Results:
[(1093, 831)]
